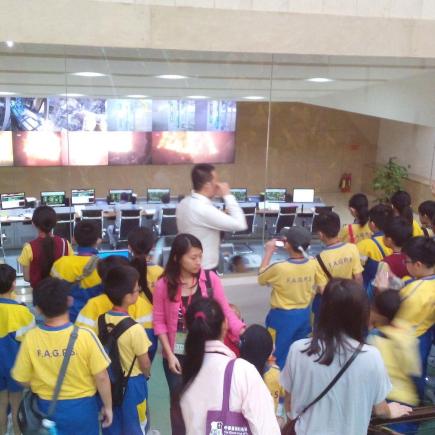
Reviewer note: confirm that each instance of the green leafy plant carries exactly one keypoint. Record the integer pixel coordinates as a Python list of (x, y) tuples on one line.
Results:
[(389, 179)]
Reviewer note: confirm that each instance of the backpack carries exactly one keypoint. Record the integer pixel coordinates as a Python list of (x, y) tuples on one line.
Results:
[(108, 333)]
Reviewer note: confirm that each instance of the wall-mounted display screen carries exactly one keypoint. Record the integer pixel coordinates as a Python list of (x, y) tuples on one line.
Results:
[(6, 152)]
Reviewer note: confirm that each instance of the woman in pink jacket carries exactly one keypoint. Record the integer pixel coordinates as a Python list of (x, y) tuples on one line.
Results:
[(182, 283)]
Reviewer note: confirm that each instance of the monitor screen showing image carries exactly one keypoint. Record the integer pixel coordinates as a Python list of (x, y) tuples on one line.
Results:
[(155, 195), (303, 195), (275, 195), (53, 198), (241, 195), (13, 200), (115, 195), (82, 196)]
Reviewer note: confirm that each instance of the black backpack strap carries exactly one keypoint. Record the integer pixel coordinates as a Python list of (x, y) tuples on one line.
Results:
[(425, 232), (323, 266), (208, 284), (121, 327), (102, 328)]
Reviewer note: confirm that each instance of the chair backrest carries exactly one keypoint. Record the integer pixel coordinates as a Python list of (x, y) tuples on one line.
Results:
[(286, 210), (248, 210), (284, 220), (64, 226), (168, 225), (323, 209), (130, 220), (250, 219), (169, 211), (94, 215)]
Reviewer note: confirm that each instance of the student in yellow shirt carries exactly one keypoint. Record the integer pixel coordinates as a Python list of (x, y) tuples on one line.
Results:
[(294, 283), (40, 358), (418, 297), (81, 270), (122, 288), (140, 243), (359, 230), (401, 202), (426, 213), (15, 320)]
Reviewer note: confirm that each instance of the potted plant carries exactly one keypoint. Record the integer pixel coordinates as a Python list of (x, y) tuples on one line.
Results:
[(388, 179)]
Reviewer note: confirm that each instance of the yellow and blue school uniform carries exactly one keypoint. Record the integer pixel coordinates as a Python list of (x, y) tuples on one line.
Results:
[(70, 269), (294, 283), (271, 379), (130, 417), (154, 272), (354, 233), (38, 363), (417, 231), (15, 321)]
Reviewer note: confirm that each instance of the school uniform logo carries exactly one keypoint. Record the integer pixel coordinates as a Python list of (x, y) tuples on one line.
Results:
[(53, 353), (216, 428)]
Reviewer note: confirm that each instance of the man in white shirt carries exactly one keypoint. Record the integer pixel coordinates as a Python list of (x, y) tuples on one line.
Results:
[(197, 215)]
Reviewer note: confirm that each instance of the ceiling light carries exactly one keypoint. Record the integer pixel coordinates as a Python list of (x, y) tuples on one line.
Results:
[(171, 76), (197, 97), (7, 93), (319, 80), (71, 95), (137, 96), (254, 97), (10, 44), (89, 74)]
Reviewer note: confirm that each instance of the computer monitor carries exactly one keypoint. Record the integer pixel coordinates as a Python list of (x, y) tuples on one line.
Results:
[(241, 195), (115, 195), (53, 198), (13, 200), (155, 195), (82, 196), (303, 195), (275, 195), (120, 252)]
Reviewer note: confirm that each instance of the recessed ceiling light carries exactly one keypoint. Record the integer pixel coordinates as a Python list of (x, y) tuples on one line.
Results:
[(197, 97), (319, 80), (9, 44), (71, 95), (254, 97), (89, 74), (7, 93), (171, 76), (137, 96)]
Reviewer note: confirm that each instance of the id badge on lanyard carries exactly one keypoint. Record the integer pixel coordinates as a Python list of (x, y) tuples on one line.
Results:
[(180, 337)]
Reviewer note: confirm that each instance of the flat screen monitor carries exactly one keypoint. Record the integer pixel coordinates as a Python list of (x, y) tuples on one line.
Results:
[(155, 195), (115, 195), (82, 196), (303, 195), (13, 200), (120, 252), (275, 195), (53, 198), (241, 195)]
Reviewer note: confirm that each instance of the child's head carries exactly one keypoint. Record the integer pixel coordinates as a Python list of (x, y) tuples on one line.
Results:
[(51, 296), (385, 306), (401, 202), (359, 207), (397, 232), (238, 264), (327, 225), (426, 211), (109, 263), (256, 346), (379, 216), (8, 276), (296, 239), (121, 285), (44, 218), (165, 198), (236, 311), (420, 253), (140, 241), (86, 234)]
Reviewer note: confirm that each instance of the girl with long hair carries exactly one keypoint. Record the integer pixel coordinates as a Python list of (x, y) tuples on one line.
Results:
[(360, 229), (401, 203)]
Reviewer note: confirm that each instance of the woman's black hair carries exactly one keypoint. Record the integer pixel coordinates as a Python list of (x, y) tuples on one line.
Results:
[(204, 319), (360, 204), (401, 201), (256, 346), (427, 208), (44, 218), (344, 313), (141, 241), (181, 245), (420, 249)]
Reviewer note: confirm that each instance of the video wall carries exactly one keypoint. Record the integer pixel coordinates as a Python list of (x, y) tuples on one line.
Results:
[(60, 131)]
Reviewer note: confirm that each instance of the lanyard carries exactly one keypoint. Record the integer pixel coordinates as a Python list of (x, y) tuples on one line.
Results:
[(189, 300)]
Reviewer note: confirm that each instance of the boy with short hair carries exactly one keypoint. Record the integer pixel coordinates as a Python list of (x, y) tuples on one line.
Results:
[(294, 283), (15, 320), (122, 288), (426, 213), (40, 358), (81, 269)]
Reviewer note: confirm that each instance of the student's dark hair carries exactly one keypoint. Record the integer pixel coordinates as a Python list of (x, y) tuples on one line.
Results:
[(420, 249), (44, 218), (51, 296), (387, 303), (380, 215), (141, 241), (360, 204), (124, 196), (180, 246), (328, 223), (105, 264), (399, 230), (427, 208), (165, 198), (201, 174), (401, 201), (204, 320), (344, 313), (86, 233), (7, 277), (256, 346), (120, 281)]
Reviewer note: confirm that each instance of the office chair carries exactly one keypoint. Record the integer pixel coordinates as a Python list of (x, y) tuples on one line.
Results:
[(64, 226), (3, 236), (168, 223), (130, 220), (250, 215), (285, 219), (94, 215)]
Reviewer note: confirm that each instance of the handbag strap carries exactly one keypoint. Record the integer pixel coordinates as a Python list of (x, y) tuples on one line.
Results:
[(62, 372), (323, 266), (334, 381), (379, 247), (227, 386), (351, 233)]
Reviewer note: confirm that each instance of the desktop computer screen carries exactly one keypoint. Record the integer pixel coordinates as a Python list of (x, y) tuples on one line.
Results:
[(275, 195), (53, 198), (155, 195), (82, 196), (13, 200), (241, 195), (115, 195), (303, 195)]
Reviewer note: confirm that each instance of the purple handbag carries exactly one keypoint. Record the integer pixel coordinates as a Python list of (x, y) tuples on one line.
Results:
[(226, 422)]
